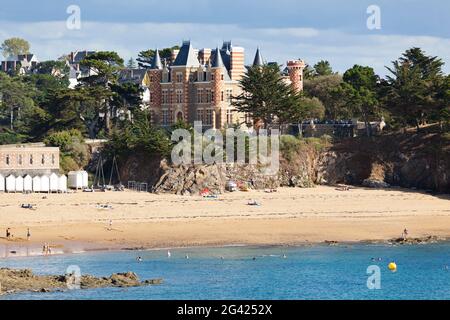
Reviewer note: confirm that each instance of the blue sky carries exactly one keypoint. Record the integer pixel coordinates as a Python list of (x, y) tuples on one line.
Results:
[(284, 29)]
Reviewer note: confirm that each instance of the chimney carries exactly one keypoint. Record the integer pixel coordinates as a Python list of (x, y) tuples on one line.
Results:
[(237, 63)]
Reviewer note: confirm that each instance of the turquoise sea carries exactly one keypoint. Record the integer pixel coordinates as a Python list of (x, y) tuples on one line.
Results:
[(311, 272)]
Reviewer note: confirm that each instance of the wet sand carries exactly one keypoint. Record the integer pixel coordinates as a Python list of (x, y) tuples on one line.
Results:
[(81, 221)]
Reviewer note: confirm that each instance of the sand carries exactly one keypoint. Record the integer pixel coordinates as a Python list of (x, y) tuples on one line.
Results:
[(75, 222)]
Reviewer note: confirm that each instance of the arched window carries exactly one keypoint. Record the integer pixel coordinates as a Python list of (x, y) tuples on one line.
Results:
[(31, 159), (7, 159), (43, 159)]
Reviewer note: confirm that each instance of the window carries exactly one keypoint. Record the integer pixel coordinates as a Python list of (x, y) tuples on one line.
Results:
[(229, 95), (212, 77), (165, 97), (222, 96), (200, 115), (151, 78), (179, 94), (229, 116), (20, 160), (221, 76), (151, 97), (208, 95), (179, 77), (53, 159), (165, 117), (7, 159), (31, 159), (43, 159), (212, 95), (209, 117), (199, 95)]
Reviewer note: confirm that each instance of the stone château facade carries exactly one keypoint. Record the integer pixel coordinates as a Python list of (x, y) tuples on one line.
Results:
[(199, 85)]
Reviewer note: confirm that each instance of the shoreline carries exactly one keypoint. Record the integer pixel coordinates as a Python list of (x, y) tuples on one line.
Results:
[(68, 249), (78, 222)]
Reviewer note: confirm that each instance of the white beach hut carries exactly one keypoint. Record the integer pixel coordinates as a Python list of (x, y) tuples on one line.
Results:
[(62, 184), (85, 179), (53, 182), (19, 184), (2, 183), (10, 183), (45, 183), (37, 184), (75, 180), (27, 183)]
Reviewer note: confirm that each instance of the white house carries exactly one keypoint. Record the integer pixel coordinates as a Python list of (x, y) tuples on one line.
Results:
[(27, 183), (45, 183), (19, 184), (85, 179), (53, 182), (62, 184), (2, 183), (37, 184), (78, 179), (10, 183)]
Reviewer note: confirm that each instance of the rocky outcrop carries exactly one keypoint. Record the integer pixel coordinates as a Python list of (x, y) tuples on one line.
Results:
[(13, 281), (411, 161)]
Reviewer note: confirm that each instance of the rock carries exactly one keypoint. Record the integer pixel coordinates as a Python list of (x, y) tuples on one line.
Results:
[(13, 281), (377, 184)]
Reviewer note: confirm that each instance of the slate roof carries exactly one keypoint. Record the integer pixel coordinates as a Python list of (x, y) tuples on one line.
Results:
[(186, 57)]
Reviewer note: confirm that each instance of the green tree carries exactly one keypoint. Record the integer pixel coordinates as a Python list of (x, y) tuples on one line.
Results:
[(131, 64), (14, 46), (412, 89), (16, 98), (308, 108), (145, 58), (106, 66), (360, 93), (266, 96), (324, 88), (322, 68)]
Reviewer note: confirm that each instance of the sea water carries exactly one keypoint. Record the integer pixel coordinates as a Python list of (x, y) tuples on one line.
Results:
[(309, 272)]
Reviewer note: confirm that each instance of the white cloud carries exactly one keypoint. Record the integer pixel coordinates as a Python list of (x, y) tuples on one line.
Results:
[(52, 39)]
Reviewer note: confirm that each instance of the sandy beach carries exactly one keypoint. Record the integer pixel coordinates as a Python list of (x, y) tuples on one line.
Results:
[(79, 221)]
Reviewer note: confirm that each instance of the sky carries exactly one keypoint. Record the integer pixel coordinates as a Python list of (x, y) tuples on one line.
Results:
[(333, 30)]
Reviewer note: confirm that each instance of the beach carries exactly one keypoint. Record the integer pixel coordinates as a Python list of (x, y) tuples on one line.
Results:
[(78, 222)]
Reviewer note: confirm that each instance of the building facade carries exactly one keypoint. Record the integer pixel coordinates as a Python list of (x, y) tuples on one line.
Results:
[(200, 83), (22, 64), (28, 160)]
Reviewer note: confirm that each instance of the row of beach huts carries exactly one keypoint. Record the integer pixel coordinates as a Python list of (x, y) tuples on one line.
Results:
[(52, 183)]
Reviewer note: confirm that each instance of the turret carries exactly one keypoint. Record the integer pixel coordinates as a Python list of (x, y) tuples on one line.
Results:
[(295, 69)]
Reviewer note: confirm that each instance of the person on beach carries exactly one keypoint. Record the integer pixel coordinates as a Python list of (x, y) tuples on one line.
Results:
[(110, 225), (405, 233), (28, 234), (169, 254), (8, 233)]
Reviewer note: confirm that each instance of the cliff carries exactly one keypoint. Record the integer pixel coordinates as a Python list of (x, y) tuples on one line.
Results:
[(419, 161)]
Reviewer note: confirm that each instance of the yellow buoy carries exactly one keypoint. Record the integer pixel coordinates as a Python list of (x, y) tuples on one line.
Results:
[(392, 266)]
